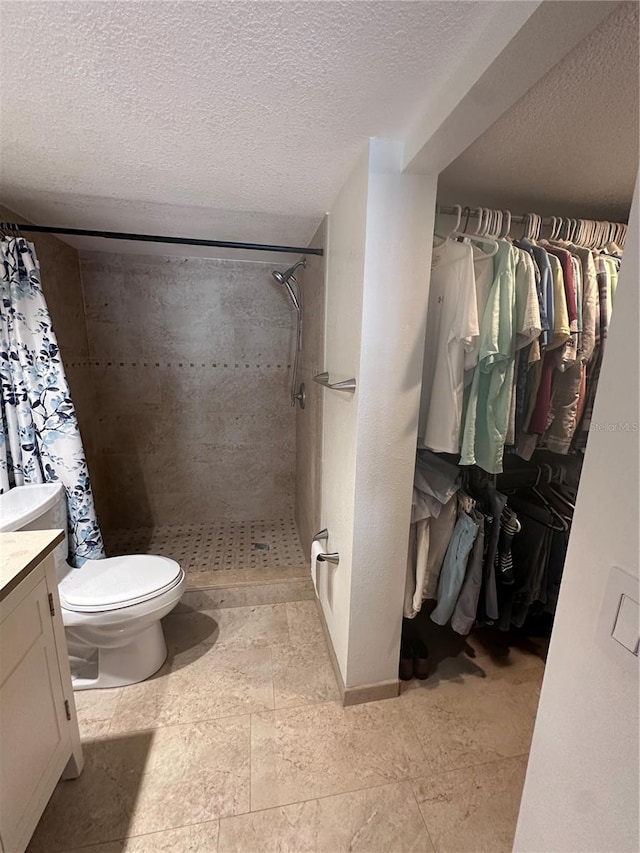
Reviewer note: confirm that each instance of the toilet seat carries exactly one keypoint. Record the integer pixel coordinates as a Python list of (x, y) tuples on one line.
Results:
[(117, 582)]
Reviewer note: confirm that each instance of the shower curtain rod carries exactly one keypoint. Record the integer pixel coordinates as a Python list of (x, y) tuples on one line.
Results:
[(156, 238), (474, 212)]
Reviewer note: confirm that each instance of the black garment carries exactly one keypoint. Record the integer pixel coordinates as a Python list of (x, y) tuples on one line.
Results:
[(555, 566), (530, 553), (488, 610)]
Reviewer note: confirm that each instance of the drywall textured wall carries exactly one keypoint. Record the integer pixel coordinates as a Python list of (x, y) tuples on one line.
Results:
[(400, 210), (581, 789), (345, 279), (191, 365), (309, 419), (62, 287), (377, 290)]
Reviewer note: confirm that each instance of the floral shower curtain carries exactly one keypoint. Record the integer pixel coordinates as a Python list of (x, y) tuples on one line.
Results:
[(40, 441)]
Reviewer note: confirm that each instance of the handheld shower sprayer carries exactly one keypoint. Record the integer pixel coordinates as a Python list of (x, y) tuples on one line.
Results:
[(283, 278), (287, 279)]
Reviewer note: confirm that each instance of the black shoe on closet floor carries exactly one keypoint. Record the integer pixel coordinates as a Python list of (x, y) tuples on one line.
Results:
[(420, 661), (406, 663)]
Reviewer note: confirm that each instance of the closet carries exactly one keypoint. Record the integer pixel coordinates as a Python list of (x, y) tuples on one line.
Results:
[(529, 235), (519, 309)]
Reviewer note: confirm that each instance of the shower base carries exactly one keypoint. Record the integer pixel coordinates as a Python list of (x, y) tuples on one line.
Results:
[(251, 551)]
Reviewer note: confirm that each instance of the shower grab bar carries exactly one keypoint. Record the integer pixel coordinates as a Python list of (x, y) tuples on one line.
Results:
[(334, 558), (346, 384)]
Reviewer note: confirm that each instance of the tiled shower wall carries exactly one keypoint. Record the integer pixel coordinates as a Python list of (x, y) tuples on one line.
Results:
[(190, 362), (62, 287), (309, 420)]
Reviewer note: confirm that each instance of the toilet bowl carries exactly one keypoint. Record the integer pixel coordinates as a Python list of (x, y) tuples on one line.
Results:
[(111, 608)]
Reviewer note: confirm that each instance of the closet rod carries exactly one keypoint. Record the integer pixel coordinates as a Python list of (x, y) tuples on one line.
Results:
[(155, 238), (518, 220)]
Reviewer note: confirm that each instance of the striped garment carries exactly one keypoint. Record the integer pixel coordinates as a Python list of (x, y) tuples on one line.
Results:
[(509, 526)]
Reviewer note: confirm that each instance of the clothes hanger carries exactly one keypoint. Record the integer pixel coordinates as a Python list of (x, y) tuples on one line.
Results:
[(456, 234), (538, 226), (458, 210), (480, 235), (591, 234), (496, 223), (552, 509), (562, 497), (504, 234), (577, 232), (564, 526)]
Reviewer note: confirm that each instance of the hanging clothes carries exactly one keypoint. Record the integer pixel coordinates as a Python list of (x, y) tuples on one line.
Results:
[(40, 441), (452, 327), (592, 372), (455, 562), (466, 609), (433, 518), (489, 403), (529, 379)]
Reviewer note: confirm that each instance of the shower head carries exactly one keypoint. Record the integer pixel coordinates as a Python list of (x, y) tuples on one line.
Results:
[(289, 275), (283, 277)]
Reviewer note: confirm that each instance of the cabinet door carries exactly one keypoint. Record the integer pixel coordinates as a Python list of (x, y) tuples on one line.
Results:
[(34, 746)]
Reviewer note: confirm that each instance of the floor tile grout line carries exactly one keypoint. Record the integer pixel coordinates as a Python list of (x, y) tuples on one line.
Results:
[(424, 820), (470, 766), (321, 797), (147, 730), (145, 834)]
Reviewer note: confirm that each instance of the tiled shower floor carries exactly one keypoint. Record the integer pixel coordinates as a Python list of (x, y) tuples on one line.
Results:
[(216, 546)]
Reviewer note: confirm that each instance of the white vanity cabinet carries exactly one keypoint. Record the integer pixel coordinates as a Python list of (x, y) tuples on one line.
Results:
[(39, 738)]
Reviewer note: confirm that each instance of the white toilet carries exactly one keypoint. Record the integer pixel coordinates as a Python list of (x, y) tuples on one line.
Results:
[(111, 608)]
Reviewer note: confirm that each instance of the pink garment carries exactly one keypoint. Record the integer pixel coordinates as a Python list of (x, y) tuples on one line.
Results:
[(540, 414)]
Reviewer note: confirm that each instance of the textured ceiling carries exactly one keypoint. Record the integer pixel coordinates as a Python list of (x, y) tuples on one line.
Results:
[(131, 114), (570, 145)]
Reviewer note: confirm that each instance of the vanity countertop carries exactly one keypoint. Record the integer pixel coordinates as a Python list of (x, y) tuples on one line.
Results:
[(21, 552)]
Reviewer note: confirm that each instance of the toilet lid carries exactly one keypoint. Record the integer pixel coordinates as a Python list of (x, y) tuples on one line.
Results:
[(115, 582)]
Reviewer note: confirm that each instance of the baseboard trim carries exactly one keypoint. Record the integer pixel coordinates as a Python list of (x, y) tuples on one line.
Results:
[(332, 654), (364, 693), (371, 692)]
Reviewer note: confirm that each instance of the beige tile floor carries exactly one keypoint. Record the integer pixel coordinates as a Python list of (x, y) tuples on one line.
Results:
[(240, 745)]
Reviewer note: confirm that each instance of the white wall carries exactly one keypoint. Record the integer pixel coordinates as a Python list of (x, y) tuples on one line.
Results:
[(581, 790), (378, 278), (344, 287)]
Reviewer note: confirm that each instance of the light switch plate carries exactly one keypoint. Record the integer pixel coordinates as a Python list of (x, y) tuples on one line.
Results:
[(618, 626), (627, 627)]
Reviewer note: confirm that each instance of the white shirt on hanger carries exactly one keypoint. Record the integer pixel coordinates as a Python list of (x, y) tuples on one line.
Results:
[(452, 327), (483, 274)]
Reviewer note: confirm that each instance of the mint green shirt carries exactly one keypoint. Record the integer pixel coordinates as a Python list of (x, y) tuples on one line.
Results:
[(487, 415)]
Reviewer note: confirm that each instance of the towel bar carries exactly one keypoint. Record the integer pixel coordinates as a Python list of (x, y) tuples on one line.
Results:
[(334, 558), (346, 384)]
